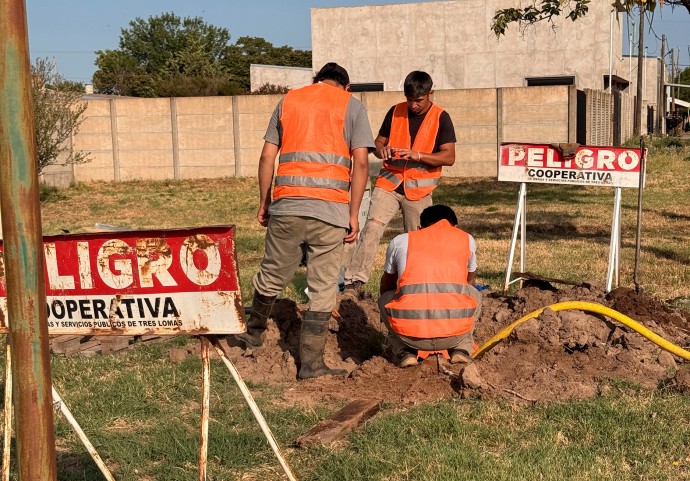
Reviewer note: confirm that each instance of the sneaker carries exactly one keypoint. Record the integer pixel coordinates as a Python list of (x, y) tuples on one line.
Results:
[(459, 356), (407, 359)]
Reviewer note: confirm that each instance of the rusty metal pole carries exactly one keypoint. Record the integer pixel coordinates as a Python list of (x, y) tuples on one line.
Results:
[(23, 251)]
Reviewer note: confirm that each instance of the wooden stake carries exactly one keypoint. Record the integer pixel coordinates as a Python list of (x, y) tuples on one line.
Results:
[(252, 405), (82, 436), (7, 431), (205, 401)]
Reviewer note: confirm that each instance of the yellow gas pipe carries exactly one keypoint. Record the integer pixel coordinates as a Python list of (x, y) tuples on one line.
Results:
[(591, 307)]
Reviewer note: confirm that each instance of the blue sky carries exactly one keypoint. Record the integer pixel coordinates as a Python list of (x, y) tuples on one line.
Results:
[(70, 31)]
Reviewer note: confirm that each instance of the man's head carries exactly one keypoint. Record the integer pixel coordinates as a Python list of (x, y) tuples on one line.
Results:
[(436, 213), (418, 91), (333, 71)]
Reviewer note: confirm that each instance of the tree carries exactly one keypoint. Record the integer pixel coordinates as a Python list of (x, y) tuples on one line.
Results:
[(168, 56), (684, 78), (58, 110), (540, 10), (256, 50)]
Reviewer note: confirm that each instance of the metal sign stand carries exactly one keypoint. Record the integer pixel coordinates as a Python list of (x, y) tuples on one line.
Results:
[(57, 403), (613, 273), (520, 225), (252, 405), (206, 341)]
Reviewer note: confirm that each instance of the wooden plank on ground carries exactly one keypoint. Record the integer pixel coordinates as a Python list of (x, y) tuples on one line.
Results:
[(60, 344), (149, 337), (340, 423), (82, 347), (114, 343)]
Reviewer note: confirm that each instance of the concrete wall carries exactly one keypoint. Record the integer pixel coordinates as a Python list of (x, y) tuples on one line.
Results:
[(452, 41), (183, 138), (292, 77), (600, 121), (650, 82), (650, 78)]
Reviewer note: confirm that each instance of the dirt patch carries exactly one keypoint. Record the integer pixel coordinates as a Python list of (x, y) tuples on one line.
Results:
[(557, 356)]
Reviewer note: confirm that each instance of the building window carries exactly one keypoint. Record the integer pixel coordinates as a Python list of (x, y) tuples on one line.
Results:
[(367, 87), (541, 81)]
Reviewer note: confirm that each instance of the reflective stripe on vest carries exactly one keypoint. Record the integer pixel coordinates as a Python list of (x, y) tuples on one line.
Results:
[(419, 179), (433, 298), (314, 157)]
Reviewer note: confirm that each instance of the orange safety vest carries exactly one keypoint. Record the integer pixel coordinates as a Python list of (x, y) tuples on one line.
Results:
[(314, 157), (433, 298), (419, 179)]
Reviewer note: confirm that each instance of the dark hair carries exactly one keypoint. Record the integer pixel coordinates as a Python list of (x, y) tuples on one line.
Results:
[(333, 71), (417, 83), (435, 213)]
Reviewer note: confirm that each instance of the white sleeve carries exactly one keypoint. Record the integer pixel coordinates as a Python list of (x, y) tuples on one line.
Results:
[(396, 255), (472, 261)]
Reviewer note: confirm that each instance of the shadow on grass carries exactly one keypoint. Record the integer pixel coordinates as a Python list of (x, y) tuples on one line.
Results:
[(73, 467), (668, 255)]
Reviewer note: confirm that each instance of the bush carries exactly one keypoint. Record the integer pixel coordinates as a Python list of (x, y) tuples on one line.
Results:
[(269, 88), (50, 193)]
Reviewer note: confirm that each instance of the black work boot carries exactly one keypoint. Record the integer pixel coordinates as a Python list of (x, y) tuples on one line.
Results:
[(312, 344), (256, 324)]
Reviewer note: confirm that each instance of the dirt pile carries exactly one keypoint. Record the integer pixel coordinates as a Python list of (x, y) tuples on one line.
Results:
[(557, 356)]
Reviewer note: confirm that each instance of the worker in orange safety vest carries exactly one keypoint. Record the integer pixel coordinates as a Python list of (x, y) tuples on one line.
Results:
[(415, 141), (428, 300), (324, 138)]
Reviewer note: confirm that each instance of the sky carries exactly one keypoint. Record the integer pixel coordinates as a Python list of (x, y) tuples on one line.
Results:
[(70, 31)]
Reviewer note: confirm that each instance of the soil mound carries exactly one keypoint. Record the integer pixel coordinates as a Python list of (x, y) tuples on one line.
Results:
[(557, 356)]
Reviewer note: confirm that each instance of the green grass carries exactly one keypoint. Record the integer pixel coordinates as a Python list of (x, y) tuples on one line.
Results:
[(626, 436), (568, 228), (142, 412)]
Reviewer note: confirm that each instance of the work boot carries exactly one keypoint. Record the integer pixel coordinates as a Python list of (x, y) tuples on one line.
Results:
[(459, 356), (312, 344), (256, 324), (407, 358), (355, 291)]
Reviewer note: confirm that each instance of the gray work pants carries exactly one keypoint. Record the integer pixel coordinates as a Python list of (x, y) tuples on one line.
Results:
[(384, 206), (324, 246), (397, 341)]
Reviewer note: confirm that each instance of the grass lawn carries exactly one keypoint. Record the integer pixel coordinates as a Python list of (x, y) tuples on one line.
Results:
[(142, 412)]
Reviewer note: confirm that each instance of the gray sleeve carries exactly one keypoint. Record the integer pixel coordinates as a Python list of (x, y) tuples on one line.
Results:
[(274, 132), (357, 128)]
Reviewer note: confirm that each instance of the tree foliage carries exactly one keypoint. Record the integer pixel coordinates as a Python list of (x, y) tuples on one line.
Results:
[(256, 50), (168, 56), (269, 88), (58, 109), (684, 78), (548, 10)]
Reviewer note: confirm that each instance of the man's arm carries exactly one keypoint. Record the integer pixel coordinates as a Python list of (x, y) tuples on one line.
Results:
[(383, 151), (266, 166), (443, 158), (389, 282), (360, 172), (471, 277)]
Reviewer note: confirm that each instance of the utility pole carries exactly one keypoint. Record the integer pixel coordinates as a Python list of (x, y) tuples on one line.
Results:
[(637, 129), (661, 106), (23, 254), (673, 80)]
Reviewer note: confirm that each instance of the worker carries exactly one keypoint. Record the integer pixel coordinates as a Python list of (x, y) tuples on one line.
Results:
[(323, 135), (415, 141), (428, 301)]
